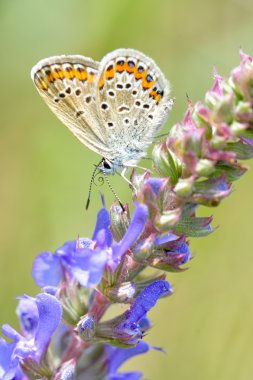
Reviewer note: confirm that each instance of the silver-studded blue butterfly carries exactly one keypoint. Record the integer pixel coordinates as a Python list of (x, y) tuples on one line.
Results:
[(115, 107)]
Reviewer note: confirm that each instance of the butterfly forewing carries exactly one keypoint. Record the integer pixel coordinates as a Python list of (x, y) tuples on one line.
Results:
[(66, 83)]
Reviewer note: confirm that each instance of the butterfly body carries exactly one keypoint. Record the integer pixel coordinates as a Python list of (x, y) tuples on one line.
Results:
[(115, 107)]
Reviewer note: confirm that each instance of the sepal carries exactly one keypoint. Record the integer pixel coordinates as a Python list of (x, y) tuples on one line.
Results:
[(167, 163)]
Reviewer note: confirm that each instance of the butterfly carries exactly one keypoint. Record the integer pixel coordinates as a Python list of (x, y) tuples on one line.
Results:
[(115, 107)]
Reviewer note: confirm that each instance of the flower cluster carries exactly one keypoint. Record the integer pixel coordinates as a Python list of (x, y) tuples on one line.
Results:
[(64, 332)]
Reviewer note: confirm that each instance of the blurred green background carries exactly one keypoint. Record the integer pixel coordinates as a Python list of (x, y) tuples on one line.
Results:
[(206, 326)]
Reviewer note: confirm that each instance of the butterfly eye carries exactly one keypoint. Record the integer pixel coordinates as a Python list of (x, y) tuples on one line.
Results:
[(106, 164)]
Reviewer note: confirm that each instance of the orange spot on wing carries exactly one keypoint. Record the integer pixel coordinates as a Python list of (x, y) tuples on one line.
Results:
[(91, 77), (50, 76), (130, 69), (69, 73), (58, 74), (109, 74), (121, 68), (101, 83), (139, 75), (81, 74), (147, 85), (157, 96)]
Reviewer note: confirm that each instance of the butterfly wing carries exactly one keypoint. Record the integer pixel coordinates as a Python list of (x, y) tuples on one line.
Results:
[(66, 84), (132, 98)]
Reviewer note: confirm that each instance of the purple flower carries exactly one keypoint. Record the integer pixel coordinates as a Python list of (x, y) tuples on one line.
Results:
[(106, 361), (170, 252), (142, 305), (163, 209), (75, 259), (8, 366), (117, 356), (167, 252), (39, 318), (103, 223), (127, 329), (132, 234), (85, 260)]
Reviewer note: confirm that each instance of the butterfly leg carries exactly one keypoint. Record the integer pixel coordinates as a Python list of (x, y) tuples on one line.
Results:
[(126, 179), (139, 167), (136, 166)]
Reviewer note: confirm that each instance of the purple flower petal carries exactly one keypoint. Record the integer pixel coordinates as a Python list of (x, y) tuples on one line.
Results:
[(165, 239), (145, 301), (103, 223), (183, 249), (117, 356), (87, 266), (155, 184), (47, 269), (134, 230), (6, 350), (50, 290), (101, 239), (28, 316), (50, 313), (31, 347), (10, 332), (144, 324), (67, 248), (125, 376), (247, 140)]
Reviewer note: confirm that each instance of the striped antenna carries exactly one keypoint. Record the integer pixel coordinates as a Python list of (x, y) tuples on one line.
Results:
[(91, 183), (112, 190)]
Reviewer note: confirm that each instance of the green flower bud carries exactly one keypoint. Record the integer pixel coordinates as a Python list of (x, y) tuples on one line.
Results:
[(183, 187), (168, 219), (204, 167), (218, 142), (223, 110)]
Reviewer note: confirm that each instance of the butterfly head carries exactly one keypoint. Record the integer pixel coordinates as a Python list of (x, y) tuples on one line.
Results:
[(106, 166)]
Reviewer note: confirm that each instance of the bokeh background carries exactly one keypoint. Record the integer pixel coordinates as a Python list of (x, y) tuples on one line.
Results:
[(206, 326)]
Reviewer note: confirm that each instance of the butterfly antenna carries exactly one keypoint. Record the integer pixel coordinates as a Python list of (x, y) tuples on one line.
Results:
[(91, 183), (112, 190)]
